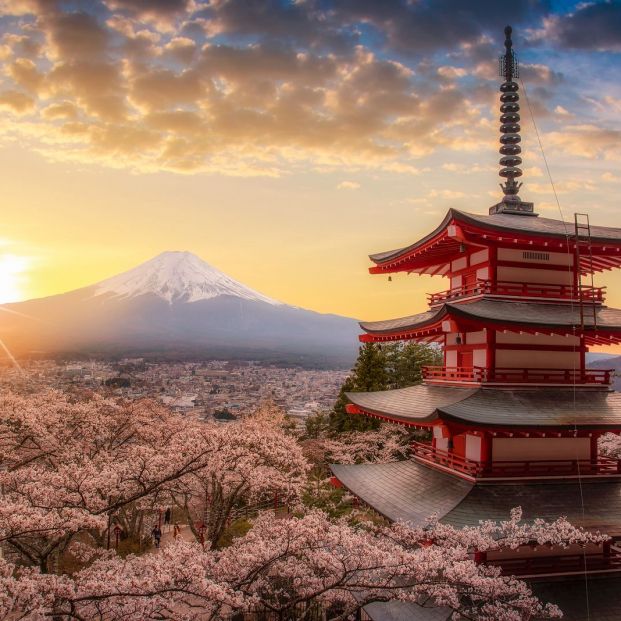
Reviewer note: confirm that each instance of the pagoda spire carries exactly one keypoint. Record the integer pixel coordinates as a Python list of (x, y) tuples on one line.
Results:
[(510, 134)]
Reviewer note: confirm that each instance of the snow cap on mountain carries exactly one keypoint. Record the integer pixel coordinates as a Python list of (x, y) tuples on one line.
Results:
[(177, 276)]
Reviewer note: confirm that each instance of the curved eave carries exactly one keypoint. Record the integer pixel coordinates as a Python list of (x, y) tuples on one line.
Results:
[(403, 490), (429, 255), (415, 406), (411, 492), (547, 409), (530, 317), (579, 599), (422, 325), (380, 258), (395, 419), (544, 409), (432, 253)]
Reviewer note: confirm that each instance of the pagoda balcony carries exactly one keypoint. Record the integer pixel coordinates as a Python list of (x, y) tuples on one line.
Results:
[(591, 295), (557, 565), (505, 376), (501, 470)]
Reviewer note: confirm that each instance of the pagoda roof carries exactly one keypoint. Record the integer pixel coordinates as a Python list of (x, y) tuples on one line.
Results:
[(530, 316), (411, 492), (560, 408), (441, 245), (579, 599), (404, 490), (396, 610), (416, 404)]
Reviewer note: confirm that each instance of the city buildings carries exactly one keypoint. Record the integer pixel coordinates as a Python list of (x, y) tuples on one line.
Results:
[(198, 389)]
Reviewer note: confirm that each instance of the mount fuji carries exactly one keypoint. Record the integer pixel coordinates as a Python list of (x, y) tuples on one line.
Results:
[(177, 305)]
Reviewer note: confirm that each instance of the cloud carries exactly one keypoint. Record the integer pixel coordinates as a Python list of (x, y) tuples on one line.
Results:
[(446, 194), (537, 73), (592, 26), (76, 35), (25, 74), (348, 185), (587, 141), (161, 13), (60, 110), (181, 49), (269, 87), (451, 73), (16, 102)]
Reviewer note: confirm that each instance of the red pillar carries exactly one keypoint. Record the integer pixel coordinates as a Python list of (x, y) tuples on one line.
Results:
[(594, 447), (486, 451), (480, 557), (493, 266)]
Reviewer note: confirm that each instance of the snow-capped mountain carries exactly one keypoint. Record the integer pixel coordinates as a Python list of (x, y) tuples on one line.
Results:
[(179, 277), (176, 304)]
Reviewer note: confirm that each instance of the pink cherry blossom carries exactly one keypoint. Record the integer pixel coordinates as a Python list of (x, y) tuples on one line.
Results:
[(388, 443)]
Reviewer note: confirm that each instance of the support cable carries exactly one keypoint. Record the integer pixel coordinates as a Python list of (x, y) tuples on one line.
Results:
[(576, 268)]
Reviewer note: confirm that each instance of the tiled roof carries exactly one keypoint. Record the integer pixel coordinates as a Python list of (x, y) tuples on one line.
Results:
[(406, 611), (543, 407), (602, 504), (507, 313), (412, 492), (416, 403), (569, 595), (403, 490), (561, 407), (390, 325), (538, 226), (547, 227)]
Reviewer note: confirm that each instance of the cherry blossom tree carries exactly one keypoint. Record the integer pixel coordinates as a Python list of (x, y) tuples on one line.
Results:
[(68, 465), (249, 461), (71, 466), (286, 565), (610, 445), (388, 443)]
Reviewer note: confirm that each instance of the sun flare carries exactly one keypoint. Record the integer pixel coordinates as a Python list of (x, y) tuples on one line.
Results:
[(12, 268)]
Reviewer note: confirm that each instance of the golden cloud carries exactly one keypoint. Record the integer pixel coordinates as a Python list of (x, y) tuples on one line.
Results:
[(145, 84)]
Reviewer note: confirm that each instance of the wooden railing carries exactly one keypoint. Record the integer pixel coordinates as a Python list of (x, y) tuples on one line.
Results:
[(522, 290), (481, 375), (426, 452), (601, 466), (561, 564), (554, 467), (433, 374)]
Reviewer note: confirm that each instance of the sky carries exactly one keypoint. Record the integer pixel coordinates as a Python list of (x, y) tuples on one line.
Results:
[(285, 141)]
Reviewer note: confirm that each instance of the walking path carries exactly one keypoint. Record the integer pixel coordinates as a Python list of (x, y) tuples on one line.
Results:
[(167, 537)]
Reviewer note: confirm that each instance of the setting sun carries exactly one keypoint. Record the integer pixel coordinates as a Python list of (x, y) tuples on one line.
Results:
[(12, 268)]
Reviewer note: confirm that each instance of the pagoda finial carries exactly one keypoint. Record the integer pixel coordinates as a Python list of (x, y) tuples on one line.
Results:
[(510, 134)]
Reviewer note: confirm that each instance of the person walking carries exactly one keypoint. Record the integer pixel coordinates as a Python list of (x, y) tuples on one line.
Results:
[(156, 533), (167, 516), (176, 530)]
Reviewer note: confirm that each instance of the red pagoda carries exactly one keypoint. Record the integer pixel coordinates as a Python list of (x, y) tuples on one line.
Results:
[(514, 414)]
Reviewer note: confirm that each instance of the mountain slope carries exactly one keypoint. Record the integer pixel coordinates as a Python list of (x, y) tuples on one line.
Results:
[(179, 277), (176, 303)]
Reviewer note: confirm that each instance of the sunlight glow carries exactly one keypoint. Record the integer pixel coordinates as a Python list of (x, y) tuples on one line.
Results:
[(12, 268)]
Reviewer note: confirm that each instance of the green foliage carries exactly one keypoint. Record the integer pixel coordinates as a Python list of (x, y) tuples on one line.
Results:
[(321, 494), (316, 425), (237, 529), (223, 414), (405, 361), (289, 425), (380, 367)]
